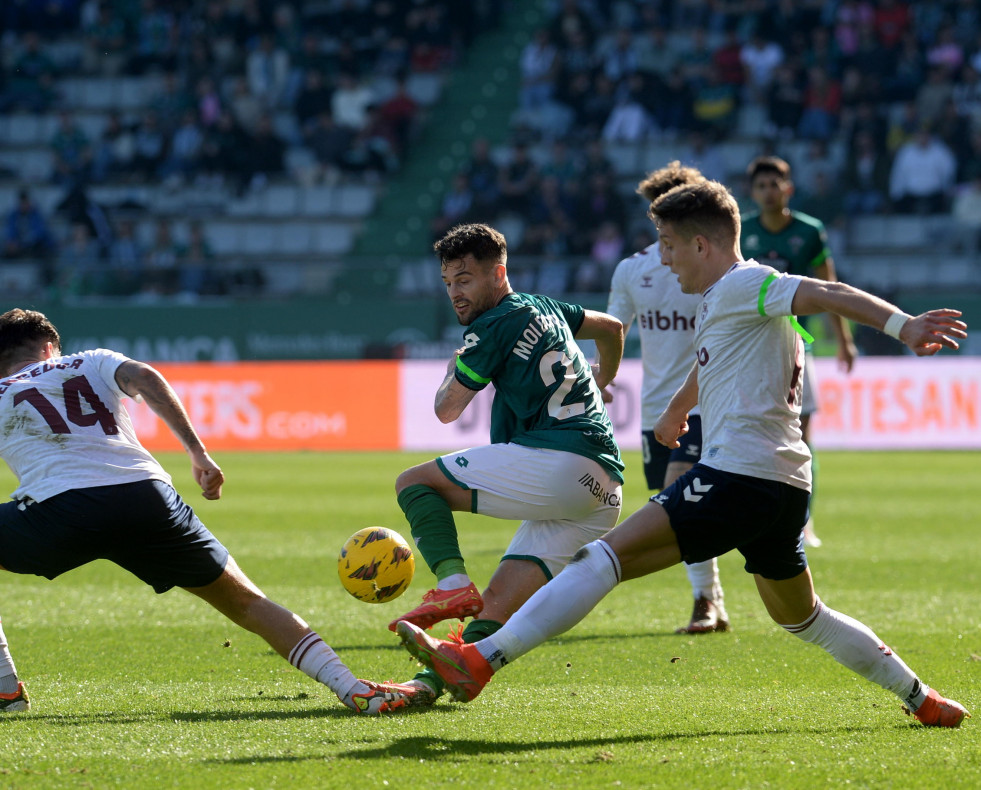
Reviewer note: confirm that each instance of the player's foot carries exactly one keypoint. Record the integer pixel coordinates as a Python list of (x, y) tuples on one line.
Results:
[(811, 540), (379, 698), (460, 665), (415, 693), (15, 702), (707, 616), (937, 711), (438, 605)]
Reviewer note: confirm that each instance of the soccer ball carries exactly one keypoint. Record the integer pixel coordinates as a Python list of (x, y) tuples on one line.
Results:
[(376, 565)]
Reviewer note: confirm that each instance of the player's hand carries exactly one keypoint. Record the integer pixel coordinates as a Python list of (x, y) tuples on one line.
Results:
[(668, 429), (208, 475), (847, 351), (927, 333)]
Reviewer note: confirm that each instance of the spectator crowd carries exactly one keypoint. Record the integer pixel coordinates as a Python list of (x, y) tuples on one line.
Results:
[(886, 95)]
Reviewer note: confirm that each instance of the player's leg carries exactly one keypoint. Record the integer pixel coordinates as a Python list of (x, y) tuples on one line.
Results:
[(662, 466), (13, 694), (564, 514), (513, 583), (643, 543), (241, 601), (793, 605), (428, 496)]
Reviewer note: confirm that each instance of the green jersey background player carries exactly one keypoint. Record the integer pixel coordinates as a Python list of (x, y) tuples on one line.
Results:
[(797, 243), (552, 463)]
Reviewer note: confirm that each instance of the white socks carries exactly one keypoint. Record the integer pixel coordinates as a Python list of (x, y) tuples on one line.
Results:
[(855, 646), (314, 657), (556, 607), (8, 672), (454, 582), (704, 578)]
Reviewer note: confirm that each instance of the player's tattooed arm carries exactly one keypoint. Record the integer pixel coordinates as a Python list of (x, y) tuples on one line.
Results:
[(452, 398), (140, 381)]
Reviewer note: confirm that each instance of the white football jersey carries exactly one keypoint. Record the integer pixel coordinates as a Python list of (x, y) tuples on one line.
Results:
[(644, 289), (750, 366), (65, 427)]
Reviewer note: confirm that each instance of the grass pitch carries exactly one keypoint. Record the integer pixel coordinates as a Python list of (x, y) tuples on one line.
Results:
[(135, 690)]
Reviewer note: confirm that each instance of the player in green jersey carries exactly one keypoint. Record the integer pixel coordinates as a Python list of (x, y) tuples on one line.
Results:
[(796, 243), (552, 463)]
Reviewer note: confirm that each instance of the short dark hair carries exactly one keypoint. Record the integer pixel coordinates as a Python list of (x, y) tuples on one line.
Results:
[(21, 331), (482, 241), (659, 181), (704, 208), (768, 164)]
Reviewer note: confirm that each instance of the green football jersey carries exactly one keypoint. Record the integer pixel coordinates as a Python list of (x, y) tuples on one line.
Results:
[(545, 393), (798, 249)]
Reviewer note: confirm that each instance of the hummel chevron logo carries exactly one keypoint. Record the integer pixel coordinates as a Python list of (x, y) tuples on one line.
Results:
[(694, 492)]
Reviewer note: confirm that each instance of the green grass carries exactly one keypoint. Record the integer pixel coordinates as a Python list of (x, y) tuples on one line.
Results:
[(136, 690)]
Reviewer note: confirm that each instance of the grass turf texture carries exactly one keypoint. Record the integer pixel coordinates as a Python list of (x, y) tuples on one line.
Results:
[(130, 689)]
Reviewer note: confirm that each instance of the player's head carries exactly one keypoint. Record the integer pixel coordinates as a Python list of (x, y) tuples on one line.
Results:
[(659, 181), (770, 184), (23, 335), (473, 259), (698, 227)]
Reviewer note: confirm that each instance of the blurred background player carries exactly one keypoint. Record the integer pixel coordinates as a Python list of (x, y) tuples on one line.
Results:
[(552, 461), (797, 243), (644, 289), (87, 490)]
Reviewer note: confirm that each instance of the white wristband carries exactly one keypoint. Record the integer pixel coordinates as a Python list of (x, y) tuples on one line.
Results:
[(895, 323)]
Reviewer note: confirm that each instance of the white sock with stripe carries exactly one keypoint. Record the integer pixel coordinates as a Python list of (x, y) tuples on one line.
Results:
[(556, 607), (314, 657), (853, 644)]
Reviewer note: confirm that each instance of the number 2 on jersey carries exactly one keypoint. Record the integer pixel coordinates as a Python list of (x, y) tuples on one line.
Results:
[(556, 409), (74, 390)]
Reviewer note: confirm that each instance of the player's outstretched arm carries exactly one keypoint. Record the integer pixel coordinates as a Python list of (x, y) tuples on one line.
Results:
[(139, 380), (607, 331), (924, 334)]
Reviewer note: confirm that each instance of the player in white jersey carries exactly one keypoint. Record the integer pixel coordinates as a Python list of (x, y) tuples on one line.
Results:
[(750, 490), (89, 490), (644, 290)]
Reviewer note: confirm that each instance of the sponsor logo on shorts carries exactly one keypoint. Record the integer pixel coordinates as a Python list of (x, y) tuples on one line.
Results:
[(695, 491), (462, 462), (599, 493)]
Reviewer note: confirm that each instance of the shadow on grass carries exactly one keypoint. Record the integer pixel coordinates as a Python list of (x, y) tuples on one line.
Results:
[(428, 748)]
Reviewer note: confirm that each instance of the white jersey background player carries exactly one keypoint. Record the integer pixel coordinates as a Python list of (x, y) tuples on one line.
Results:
[(645, 291)]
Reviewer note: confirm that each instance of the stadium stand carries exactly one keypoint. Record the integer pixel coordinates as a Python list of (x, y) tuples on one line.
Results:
[(97, 95)]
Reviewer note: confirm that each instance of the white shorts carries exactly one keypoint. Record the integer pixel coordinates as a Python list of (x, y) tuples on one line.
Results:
[(564, 500), (809, 395)]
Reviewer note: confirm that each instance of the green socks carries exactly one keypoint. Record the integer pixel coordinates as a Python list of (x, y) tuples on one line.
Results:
[(433, 528)]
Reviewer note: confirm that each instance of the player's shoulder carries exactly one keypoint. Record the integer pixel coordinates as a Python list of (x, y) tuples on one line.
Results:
[(642, 263), (807, 221)]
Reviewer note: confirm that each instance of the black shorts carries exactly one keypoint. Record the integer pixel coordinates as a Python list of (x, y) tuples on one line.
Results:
[(657, 456), (713, 512), (144, 527)]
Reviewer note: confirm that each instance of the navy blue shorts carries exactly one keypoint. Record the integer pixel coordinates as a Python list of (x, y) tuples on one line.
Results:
[(657, 456), (144, 527), (713, 512)]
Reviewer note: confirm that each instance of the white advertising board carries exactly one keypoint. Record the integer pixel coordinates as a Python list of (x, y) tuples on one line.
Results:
[(885, 403)]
